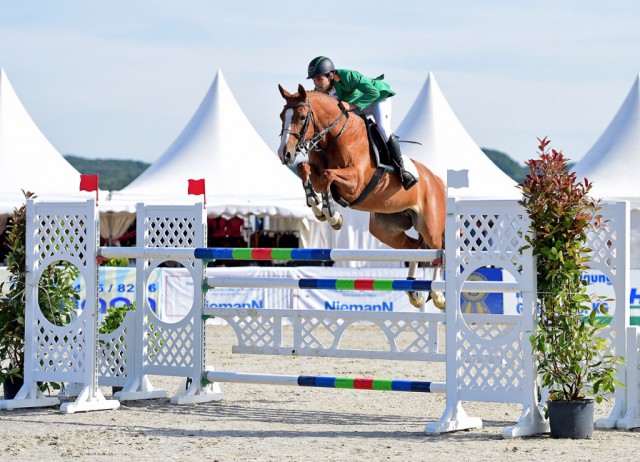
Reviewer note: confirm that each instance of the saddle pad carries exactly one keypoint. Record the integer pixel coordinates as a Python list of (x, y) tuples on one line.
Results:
[(409, 166)]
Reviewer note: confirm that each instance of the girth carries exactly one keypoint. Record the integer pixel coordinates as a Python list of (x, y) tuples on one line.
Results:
[(379, 152), (368, 189)]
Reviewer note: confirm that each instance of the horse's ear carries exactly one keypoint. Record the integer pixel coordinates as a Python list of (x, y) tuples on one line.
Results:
[(302, 92), (285, 94)]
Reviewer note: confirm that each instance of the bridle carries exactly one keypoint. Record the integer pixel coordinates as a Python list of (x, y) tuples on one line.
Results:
[(313, 143)]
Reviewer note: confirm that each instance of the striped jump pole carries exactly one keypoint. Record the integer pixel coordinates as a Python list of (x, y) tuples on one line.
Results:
[(314, 283), (348, 383), (256, 254), (360, 284), (262, 254)]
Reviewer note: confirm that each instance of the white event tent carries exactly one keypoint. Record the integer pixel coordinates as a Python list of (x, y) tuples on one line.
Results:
[(613, 163), (243, 176), (446, 145), (28, 161)]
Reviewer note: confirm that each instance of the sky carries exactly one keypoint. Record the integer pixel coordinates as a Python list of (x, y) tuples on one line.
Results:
[(120, 79)]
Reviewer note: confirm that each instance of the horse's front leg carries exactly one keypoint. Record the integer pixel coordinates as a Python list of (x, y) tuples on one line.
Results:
[(438, 297), (328, 204), (313, 201), (329, 209)]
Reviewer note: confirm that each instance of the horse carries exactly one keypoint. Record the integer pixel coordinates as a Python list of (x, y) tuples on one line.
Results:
[(340, 159)]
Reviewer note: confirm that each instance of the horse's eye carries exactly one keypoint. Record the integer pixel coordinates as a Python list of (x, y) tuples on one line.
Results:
[(302, 117)]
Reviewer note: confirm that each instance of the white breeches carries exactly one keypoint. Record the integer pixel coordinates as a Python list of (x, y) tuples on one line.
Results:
[(381, 113)]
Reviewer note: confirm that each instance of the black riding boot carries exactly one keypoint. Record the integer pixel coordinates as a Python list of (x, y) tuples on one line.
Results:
[(408, 180)]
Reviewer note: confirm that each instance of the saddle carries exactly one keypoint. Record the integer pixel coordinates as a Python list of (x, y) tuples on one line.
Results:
[(378, 146), (379, 153)]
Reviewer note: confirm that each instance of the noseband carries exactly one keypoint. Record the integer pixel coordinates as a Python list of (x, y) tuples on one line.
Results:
[(313, 143)]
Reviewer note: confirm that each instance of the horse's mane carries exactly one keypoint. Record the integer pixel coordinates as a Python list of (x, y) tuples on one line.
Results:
[(321, 97), (329, 102)]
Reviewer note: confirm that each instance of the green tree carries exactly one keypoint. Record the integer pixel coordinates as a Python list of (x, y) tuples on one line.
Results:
[(114, 174)]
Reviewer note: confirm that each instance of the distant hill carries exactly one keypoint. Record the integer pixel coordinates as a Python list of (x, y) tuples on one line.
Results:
[(515, 170), (114, 174)]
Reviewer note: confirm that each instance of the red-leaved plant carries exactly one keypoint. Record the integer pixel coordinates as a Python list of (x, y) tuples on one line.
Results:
[(572, 358)]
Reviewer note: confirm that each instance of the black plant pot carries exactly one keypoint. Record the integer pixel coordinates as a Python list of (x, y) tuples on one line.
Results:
[(12, 386), (571, 419)]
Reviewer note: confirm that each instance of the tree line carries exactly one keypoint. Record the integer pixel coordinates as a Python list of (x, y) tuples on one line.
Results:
[(115, 174)]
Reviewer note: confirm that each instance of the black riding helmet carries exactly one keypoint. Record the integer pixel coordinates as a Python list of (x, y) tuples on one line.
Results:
[(320, 66)]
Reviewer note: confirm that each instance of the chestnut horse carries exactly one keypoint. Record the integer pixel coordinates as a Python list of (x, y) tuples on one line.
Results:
[(340, 159)]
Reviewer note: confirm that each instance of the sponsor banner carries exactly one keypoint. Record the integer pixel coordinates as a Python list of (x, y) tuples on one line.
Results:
[(178, 287), (634, 297), (486, 303), (600, 285), (117, 286)]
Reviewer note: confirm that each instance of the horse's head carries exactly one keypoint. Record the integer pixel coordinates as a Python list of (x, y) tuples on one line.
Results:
[(295, 132)]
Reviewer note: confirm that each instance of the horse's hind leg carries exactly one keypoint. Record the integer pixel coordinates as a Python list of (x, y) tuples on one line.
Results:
[(438, 297), (391, 229), (415, 298), (431, 230)]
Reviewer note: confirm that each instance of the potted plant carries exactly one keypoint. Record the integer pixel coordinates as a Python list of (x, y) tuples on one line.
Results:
[(55, 292), (573, 364)]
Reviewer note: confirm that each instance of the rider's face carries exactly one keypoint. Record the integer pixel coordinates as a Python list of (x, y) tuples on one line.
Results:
[(322, 83)]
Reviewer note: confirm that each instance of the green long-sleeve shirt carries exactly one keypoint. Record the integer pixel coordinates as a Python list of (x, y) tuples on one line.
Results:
[(355, 88)]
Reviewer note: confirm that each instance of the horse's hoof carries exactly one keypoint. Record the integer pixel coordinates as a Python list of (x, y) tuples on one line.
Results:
[(317, 211), (439, 301), (337, 224), (416, 299)]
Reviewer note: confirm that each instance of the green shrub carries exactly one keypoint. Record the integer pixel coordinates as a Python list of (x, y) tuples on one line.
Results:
[(114, 317), (571, 356)]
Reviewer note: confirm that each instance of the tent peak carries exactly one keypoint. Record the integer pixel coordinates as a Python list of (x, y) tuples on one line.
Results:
[(611, 162), (444, 144), (219, 74)]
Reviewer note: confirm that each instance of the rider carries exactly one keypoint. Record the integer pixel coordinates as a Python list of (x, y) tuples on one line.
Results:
[(371, 97)]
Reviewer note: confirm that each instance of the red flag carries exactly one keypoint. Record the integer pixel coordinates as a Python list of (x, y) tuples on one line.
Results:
[(88, 182), (196, 187)]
